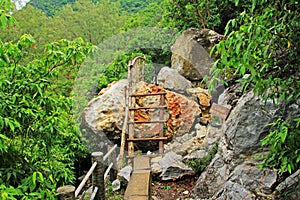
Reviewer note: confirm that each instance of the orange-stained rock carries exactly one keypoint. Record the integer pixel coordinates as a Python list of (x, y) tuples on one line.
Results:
[(141, 116), (204, 100)]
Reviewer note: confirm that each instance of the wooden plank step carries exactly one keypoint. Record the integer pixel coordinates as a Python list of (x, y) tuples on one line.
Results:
[(148, 139), (141, 122), (147, 107), (139, 186), (150, 94), (141, 163)]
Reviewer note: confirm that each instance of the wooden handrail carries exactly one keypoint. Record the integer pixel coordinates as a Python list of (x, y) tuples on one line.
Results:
[(94, 193), (107, 170), (87, 176), (109, 152), (135, 59), (97, 169), (148, 107)]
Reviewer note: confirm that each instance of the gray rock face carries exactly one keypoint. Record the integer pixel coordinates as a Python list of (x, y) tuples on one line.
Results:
[(170, 79), (191, 53), (235, 191), (289, 188), (246, 181), (212, 179), (173, 168), (233, 173), (246, 125), (254, 179)]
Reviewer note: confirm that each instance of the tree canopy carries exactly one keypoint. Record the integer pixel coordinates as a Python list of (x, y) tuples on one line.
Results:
[(43, 45)]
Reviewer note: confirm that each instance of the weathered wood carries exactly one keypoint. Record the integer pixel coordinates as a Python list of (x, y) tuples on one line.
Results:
[(219, 110), (98, 175), (148, 107), (87, 176), (66, 192), (123, 135), (108, 170), (108, 154), (142, 122), (131, 129), (161, 129), (149, 139), (94, 193)]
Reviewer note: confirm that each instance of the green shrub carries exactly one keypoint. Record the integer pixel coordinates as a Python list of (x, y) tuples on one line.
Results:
[(200, 164)]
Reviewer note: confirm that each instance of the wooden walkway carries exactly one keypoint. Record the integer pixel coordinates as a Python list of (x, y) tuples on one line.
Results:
[(139, 186)]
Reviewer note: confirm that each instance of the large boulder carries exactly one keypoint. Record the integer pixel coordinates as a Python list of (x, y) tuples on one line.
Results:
[(170, 79), (246, 125), (180, 115), (104, 114), (190, 53), (233, 173)]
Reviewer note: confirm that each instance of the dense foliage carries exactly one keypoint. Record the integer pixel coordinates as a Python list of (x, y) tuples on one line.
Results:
[(92, 22), (50, 7), (134, 6), (262, 52), (39, 138), (53, 6), (212, 14), (39, 141)]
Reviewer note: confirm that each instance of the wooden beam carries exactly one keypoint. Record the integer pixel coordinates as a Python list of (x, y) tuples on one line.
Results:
[(148, 107), (148, 139)]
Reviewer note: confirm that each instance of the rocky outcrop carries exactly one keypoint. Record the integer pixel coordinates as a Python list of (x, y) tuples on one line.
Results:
[(104, 115), (170, 79), (190, 53), (233, 173), (289, 188), (203, 98), (180, 115), (172, 167)]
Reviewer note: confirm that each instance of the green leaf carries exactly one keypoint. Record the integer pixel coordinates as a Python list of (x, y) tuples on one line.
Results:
[(289, 168), (34, 178), (243, 70), (237, 49)]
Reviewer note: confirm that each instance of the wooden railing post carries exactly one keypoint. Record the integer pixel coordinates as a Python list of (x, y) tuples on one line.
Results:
[(66, 192), (98, 175)]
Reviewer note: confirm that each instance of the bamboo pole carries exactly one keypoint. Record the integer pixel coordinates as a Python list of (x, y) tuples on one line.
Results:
[(161, 131), (87, 176), (123, 136)]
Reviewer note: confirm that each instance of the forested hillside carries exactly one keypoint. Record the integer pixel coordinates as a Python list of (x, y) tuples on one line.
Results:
[(51, 7), (43, 45)]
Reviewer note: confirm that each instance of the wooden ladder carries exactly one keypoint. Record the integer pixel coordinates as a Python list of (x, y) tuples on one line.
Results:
[(136, 74)]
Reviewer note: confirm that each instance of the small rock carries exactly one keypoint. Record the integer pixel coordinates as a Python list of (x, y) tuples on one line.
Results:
[(116, 185), (173, 167), (126, 172), (154, 198), (201, 131), (186, 192)]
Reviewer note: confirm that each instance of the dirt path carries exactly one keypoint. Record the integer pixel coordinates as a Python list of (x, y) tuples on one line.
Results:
[(173, 190)]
